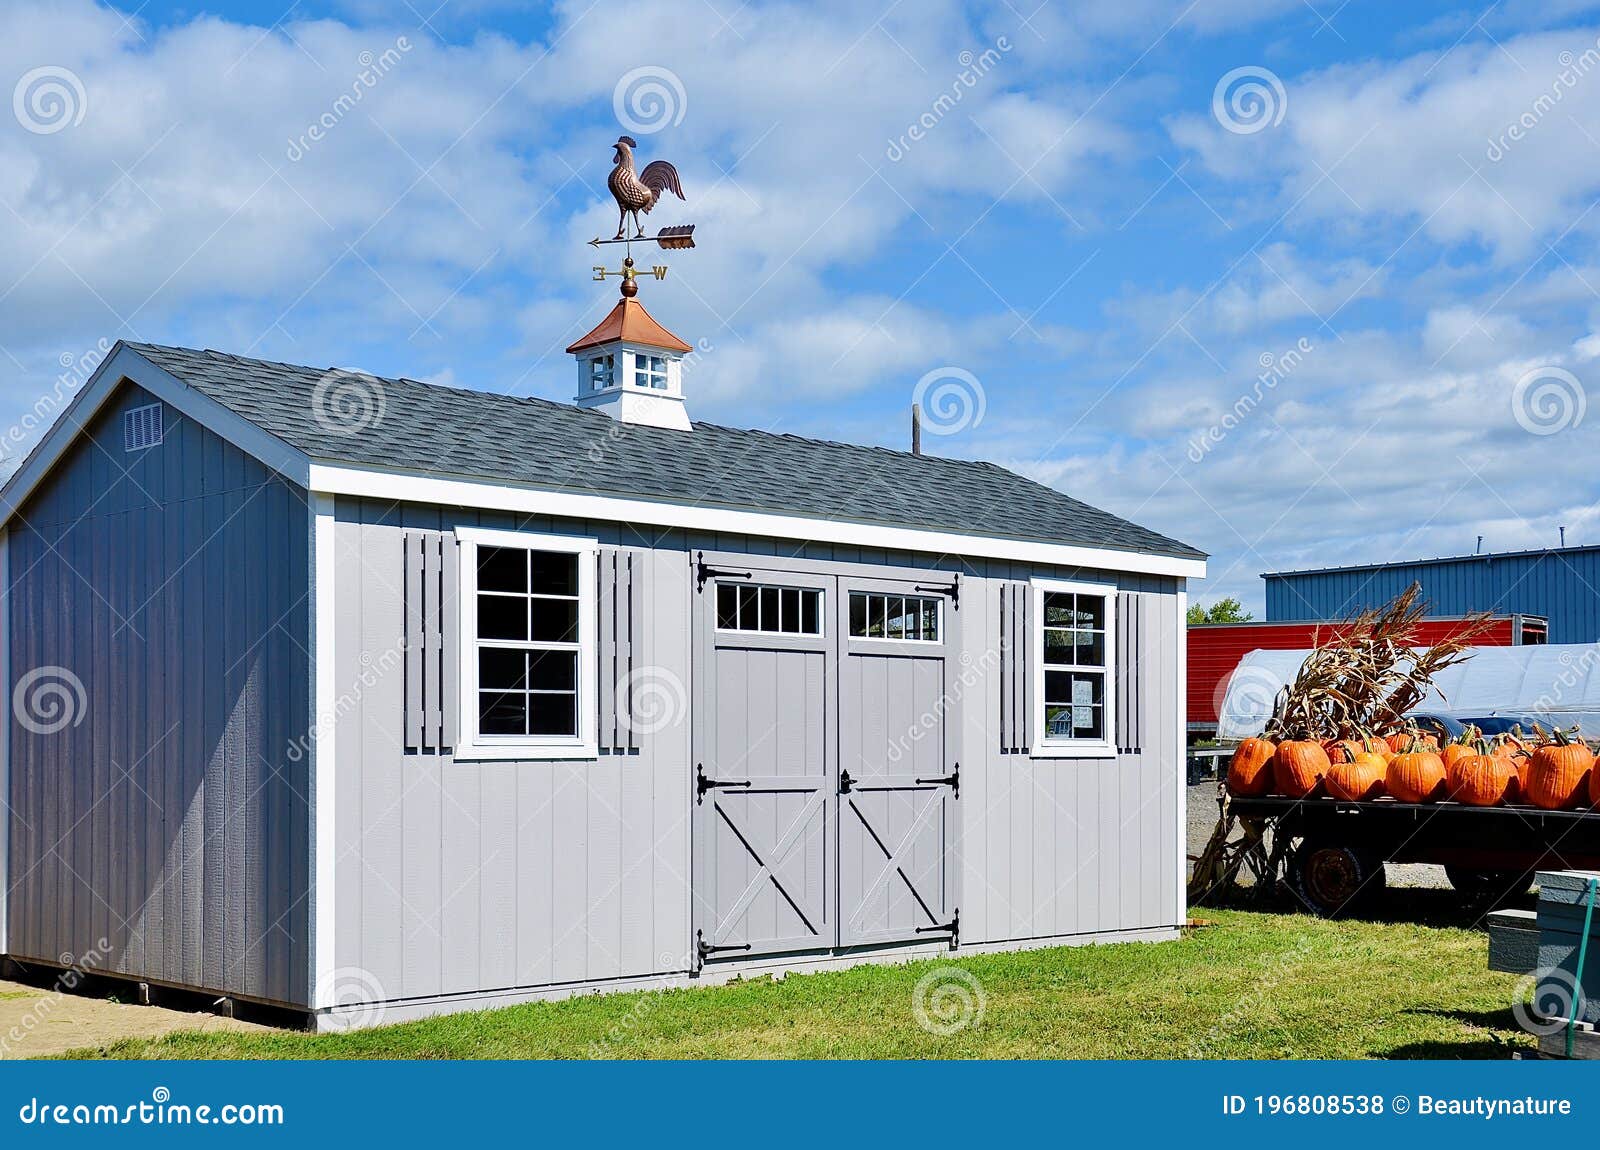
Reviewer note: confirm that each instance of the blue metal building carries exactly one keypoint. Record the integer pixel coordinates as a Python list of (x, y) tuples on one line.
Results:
[(1561, 584)]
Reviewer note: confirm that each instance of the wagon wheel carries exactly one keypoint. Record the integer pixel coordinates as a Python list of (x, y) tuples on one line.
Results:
[(1333, 878)]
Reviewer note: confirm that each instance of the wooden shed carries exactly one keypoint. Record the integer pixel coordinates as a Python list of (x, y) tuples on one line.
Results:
[(371, 698)]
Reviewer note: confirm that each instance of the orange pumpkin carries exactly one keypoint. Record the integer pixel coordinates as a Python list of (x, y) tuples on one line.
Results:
[(1358, 777), (1594, 788), (1416, 775), (1557, 773), (1458, 749), (1298, 767), (1336, 749), (1250, 769), (1481, 779)]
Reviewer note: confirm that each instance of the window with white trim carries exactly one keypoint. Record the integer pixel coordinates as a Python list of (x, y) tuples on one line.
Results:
[(1073, 658), (912, 618), (527, 650), (768, 609), (602, 372), (649, 371)]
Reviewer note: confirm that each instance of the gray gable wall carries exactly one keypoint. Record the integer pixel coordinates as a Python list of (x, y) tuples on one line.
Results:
[(479, 435)]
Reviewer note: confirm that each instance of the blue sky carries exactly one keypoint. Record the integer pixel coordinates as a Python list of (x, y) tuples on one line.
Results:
[(1274, 277)]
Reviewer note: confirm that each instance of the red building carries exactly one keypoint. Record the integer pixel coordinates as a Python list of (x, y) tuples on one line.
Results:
[(1215, 650)]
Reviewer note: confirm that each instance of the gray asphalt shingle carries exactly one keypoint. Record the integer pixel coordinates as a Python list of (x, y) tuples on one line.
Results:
[(474, 434)]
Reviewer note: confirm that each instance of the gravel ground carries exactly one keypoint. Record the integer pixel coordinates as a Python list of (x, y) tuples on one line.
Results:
[(1202, 809), (38, 1021)]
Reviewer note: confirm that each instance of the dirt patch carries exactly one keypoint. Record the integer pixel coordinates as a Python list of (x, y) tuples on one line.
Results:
[(40, 1021)]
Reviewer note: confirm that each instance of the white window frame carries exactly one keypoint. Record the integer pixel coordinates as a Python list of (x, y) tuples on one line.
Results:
[(822, 611), (937, 600), (603, 367), (471, 745), (641, 368), (1058, 748)]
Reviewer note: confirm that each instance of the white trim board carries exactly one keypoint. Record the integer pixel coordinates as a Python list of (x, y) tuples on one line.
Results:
[(324, 727), (412, 487)]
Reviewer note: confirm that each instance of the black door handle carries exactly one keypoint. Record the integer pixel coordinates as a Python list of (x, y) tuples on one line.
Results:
[(845, 781)]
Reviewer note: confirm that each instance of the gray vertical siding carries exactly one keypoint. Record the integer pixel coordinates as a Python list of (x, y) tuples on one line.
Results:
[(475, 877), (457, 878), (1065, 847), (168, 818)]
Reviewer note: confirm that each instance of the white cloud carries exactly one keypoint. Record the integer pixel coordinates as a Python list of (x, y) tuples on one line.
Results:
[(1428, 141)]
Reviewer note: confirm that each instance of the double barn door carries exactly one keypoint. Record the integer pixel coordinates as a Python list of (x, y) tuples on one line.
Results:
[(825, 786)]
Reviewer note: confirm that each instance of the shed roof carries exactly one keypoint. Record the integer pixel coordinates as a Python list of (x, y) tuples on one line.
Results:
[(455, 432)]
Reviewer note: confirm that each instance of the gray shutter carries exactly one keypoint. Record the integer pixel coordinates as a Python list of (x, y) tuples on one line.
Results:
[(1016, 687), (1132, 618), (620, 609), (429, 583)]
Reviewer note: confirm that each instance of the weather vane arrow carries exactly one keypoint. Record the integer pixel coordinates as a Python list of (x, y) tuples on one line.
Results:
[(637, 192)]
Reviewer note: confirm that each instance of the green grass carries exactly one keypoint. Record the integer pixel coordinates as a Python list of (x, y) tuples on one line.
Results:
[(1251, 985)]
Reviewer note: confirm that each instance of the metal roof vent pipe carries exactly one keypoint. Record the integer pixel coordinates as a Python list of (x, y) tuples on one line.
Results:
[(916, 429)]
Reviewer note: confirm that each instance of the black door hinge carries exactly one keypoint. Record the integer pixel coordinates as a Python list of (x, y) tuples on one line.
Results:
[(952, 780), (704, 572), (702, 784), (953, 926), (951, 589), (705, 950)]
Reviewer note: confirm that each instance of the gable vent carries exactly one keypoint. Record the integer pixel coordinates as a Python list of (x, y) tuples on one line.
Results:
[(141, 427)]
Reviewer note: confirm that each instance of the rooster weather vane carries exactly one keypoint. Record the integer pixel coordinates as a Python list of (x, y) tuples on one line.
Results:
[(637, 192)]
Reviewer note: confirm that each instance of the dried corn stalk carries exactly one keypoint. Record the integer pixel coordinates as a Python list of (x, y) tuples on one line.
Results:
[(1369, 673)]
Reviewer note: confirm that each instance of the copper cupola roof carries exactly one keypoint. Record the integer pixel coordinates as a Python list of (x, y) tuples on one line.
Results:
[(628, 322)]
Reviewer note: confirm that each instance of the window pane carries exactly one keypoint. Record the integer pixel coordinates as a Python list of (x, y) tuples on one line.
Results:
[(553, 670), (502, 617), (913, 619), (769, 609), (727, 606), (858, 614), (553, 714), (502, 569), (896, 617), (1092, 611), (1058, 647), (1074, 704), (554, 620), (554, 573), (791, 610), (749, 609), (1091, 647), (930, 621), (502, 714), (1058, 610), (877, 609), (500, 667), (810, 601)]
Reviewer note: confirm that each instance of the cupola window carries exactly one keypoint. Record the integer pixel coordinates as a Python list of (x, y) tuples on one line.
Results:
[(650, 371), (602, 372)]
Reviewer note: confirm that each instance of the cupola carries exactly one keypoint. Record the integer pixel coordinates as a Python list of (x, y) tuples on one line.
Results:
[(631, 367)]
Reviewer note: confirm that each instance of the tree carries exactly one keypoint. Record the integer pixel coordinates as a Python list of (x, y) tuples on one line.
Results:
[(1228, 610)]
